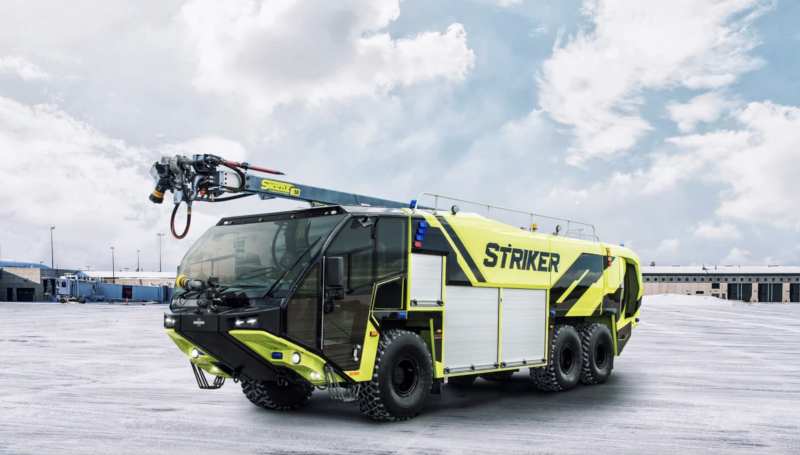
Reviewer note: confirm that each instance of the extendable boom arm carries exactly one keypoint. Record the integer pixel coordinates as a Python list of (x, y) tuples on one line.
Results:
[(209, 178)]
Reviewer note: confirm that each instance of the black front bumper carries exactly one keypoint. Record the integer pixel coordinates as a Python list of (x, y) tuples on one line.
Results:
[(209, 332)]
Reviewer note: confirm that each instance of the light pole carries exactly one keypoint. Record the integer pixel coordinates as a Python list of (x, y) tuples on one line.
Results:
[(137, 260), (52, 253), (159, 250), (88, 267), (113, 276)]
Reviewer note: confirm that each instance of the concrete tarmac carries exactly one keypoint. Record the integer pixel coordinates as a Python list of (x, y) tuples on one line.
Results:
[(699, 375)]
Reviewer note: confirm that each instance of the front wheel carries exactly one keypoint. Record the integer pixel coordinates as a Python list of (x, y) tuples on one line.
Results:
[(401, 380), (270, 395)]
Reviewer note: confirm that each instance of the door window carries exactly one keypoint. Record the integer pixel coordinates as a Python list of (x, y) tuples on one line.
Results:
[(392, 247), (631, 290), (302, 310)]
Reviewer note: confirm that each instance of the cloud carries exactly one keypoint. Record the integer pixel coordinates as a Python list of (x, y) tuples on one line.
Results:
[(707, 107), (211, 144), (509, 3), (271, 53), (595, 83), (724, 231), (758, 164), (22, 68), (736, 257), (668, 245), (91, 187)]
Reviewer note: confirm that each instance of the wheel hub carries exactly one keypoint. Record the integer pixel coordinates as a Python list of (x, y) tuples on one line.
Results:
[(405, 376), (566, 359), (600, 355)]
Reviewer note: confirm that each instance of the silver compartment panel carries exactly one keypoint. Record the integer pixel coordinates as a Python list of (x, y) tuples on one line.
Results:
[(426, 279), (524, 318), (471, 328)]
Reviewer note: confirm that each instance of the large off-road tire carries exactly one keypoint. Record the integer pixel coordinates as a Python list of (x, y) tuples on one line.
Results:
[(462, 381), (563, 371), (401, 380), (270, 395), (598, 353), (498, 375)]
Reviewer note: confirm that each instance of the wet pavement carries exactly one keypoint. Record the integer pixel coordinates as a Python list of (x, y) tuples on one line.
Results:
[(699, 375)]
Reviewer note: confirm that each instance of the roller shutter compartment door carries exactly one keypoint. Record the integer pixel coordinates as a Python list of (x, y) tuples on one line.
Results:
[(470, 328), (794, 292), (524, 327), (426, 280)]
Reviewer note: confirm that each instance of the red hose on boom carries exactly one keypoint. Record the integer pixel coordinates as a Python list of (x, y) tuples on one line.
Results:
[(255, 168)]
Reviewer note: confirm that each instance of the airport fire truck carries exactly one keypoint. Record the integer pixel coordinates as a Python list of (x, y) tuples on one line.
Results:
[(381, 303)]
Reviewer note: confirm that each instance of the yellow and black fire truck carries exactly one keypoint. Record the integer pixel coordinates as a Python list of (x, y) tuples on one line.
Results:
[(380, 302)]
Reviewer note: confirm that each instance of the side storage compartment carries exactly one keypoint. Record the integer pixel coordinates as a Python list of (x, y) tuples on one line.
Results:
[(471, 329), (426, 280), (524, 334)]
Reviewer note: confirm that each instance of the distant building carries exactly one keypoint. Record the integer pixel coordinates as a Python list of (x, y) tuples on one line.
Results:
[(132, 278), (27, 282), (748, 283)]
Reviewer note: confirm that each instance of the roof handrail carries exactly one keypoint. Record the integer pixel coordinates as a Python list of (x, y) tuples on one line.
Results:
[(579, 231)]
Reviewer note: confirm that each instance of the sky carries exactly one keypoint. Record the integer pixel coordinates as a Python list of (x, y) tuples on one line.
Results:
[(672, 126)]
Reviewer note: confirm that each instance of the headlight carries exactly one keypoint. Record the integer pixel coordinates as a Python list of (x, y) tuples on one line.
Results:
[(195, 353), (169, 322), (296, 358)]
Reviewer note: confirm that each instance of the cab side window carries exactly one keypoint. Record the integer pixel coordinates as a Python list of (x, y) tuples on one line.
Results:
[(355, 245), (392, 247)]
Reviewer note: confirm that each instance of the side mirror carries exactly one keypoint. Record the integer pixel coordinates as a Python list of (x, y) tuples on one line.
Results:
[(334, 272)]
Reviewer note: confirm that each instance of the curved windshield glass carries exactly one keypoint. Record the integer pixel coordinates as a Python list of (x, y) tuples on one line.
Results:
[(264, 256)]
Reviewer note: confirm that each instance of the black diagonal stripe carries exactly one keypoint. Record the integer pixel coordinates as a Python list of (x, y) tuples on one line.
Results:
[(462, 250), (593, 263)]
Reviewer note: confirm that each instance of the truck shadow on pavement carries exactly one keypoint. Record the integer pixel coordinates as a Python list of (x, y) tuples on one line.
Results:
[(516, 396)]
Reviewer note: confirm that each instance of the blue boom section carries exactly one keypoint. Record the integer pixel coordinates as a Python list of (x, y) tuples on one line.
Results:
[(286, 190)]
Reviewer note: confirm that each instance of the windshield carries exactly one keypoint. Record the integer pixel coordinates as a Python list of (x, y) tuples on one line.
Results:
[(257, 257)]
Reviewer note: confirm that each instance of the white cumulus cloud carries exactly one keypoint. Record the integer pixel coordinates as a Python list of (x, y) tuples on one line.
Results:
[(736, 257), (668, 245), (707, 107), (22, 68), (595, 82), (93, 188), (759, 163), (273, 52), (707, 229)]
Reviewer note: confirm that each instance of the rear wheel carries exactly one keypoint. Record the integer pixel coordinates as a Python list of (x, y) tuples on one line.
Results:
[(598, 353), (564, 368), (401, 380), (270, 395), (498, 375)]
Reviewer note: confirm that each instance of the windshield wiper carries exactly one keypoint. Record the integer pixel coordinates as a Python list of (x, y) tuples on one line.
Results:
[(297, 261)]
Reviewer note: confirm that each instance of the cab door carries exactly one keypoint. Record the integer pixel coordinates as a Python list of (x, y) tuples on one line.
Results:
[(374, 250), (344, 328)]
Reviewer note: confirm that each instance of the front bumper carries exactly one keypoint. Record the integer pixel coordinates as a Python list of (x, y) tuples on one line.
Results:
[(244, 343)]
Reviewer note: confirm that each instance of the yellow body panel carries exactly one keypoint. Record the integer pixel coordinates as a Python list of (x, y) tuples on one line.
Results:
[(264, 344)]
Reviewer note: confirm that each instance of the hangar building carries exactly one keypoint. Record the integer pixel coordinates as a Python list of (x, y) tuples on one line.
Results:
[(746, 283)]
